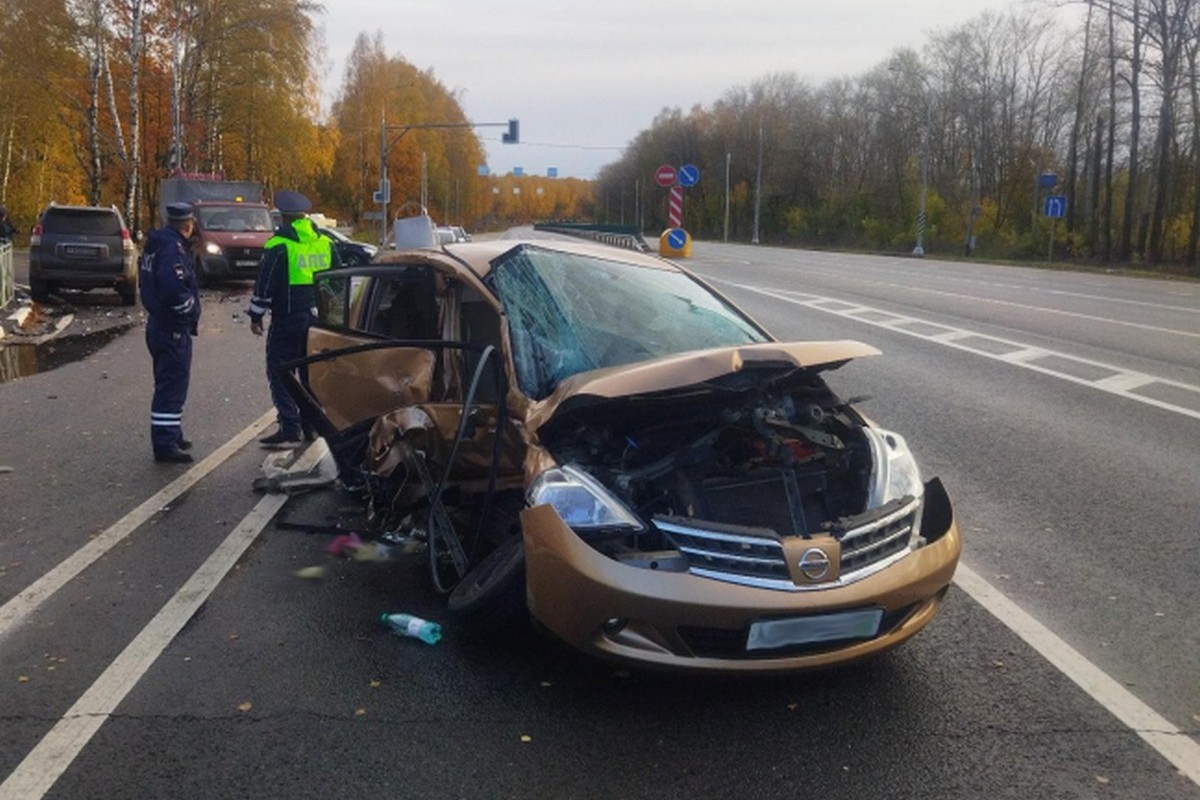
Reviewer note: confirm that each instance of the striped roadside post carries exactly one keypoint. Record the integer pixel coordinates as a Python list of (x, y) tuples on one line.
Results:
[(675, 207)]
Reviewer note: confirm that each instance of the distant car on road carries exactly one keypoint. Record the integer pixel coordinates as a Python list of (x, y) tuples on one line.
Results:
[(351, 253), (82, 247), (445, 235), (460, 235)]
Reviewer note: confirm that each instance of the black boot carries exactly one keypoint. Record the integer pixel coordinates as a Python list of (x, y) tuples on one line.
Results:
[(172, 456)]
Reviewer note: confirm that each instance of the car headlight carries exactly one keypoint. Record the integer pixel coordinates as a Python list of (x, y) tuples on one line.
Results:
[(580, 500), (212, 248), (894, 472), (370, 250)]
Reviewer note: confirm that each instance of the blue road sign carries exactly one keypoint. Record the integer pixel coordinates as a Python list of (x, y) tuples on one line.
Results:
[(677, 238), (518, 171), (1047, 180), (1056, 206), (482, 169), (689, 175), (551, 172)]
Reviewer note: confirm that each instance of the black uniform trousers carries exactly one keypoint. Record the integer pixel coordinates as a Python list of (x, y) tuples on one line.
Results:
[(287, 340), (171, 350)]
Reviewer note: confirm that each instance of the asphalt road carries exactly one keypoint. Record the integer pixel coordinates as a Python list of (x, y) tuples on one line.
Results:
[(189, 662)]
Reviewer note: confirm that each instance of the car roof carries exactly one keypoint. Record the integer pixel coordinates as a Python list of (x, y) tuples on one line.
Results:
[(97, 209), (478, 256)]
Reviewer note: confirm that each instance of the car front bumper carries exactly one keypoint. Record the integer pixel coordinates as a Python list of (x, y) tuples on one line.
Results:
[(112, 273), (236, 266), (682, 621)]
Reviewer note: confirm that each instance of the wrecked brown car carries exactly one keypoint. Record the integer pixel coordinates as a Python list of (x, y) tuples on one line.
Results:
[(597, 439)]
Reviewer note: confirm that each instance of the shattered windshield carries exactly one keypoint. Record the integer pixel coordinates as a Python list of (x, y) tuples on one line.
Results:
[(570, 313)]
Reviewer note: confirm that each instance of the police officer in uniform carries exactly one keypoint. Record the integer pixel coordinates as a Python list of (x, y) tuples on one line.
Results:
[(171, 297), (285, 288)]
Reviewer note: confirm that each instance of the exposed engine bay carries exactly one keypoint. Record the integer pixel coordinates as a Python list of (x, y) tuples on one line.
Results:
[(791, 462)]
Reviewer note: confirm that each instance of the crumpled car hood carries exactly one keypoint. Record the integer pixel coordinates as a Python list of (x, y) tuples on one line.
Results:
[(689, 372)]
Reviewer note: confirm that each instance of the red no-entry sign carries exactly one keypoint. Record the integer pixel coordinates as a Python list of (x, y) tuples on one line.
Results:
[(665, 175)]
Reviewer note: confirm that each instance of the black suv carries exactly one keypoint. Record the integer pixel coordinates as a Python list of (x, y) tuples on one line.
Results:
[(82, 247)]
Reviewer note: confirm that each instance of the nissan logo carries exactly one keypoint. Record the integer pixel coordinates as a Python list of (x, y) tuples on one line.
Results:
[(814, 564)]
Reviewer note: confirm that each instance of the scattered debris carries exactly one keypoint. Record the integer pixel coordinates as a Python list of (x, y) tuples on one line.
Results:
[(314, 573), (342, 543), (413, 627), (281, 475)]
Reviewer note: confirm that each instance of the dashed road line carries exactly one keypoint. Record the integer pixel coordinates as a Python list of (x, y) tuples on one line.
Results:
[(1108, 378)]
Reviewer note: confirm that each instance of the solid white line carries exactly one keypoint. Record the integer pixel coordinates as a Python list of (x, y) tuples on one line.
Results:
[(46, 763), (1169, 741), (14, 612), (34, 776)]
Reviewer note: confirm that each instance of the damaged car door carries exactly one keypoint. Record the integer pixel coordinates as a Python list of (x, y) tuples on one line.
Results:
[(405, 381)]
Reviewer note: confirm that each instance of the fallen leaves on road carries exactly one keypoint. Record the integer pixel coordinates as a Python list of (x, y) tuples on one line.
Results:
[(246, 706), (314, 573)]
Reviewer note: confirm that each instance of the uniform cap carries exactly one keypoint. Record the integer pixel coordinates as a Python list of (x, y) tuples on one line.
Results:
[(292, 202), (180, 212)]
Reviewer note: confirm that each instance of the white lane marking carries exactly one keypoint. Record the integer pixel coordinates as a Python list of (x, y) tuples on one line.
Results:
[(46, 763), (14, 612), (1012, 304), (1029, 288), (1120, 382), (1169, 741)]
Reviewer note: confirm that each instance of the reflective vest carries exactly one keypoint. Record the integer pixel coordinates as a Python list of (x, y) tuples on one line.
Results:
[(306, 257)]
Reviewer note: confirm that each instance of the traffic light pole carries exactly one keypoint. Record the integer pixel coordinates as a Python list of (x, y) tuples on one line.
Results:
[(383, 196)]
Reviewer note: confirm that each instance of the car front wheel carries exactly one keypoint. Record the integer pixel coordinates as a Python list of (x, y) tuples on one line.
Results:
[(490, 599)]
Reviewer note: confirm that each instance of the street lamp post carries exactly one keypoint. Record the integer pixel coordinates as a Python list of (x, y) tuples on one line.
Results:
[(383, 196), (919, 250)]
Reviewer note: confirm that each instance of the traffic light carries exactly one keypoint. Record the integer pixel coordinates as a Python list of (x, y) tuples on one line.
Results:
[(514, 132)]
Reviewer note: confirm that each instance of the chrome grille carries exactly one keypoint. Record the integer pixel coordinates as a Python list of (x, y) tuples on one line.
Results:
[(868, 544), (716, 551), (724, 554)]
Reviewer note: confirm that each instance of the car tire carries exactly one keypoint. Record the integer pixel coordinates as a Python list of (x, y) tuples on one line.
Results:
[(39, 291), (202, 278), (128, 296), (490, 599)]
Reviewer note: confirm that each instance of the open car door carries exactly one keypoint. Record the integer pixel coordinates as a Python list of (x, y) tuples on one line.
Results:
[(405, 379)]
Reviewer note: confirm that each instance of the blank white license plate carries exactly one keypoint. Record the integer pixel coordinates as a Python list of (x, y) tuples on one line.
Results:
[(244, 263), (805, 630)]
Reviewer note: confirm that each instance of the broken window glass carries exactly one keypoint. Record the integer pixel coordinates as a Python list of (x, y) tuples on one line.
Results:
[(569, 313)]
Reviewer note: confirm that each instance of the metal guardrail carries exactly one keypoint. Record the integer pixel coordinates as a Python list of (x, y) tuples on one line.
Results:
[(8, 285), (627, 236)]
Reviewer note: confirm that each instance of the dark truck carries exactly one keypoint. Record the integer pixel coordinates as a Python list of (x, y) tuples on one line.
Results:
[(232, 225)]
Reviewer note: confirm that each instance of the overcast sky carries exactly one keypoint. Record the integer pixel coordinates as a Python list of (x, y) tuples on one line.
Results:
[(586, 76)]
